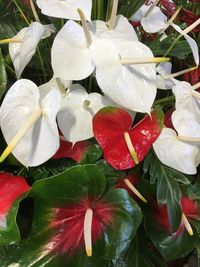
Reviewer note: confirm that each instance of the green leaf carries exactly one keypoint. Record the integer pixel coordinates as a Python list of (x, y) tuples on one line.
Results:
[(92, 154), (111, 174), (3, 76), (129, 7), (142, 253), (50, 168), (168, 190), (181, 50), (174, 246)]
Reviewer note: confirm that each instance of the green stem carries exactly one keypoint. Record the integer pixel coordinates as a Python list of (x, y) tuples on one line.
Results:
[(90, 84), (11, 70), (173, 44), (21, 12), (41, 63), (163, 100)]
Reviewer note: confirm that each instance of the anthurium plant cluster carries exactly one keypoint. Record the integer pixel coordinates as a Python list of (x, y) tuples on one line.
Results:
[(100, 133)]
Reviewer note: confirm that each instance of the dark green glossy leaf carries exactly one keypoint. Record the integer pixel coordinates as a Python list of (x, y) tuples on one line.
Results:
[(142, 253), (175, 246), (168, 190), (92, 154), (111, 174)]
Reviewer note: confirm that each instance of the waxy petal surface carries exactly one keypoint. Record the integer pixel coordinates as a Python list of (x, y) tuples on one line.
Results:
[(130, 86), (176, 154), (154, 22), (70, 55), (122, 30), (52, 85), (109, 126), (41, 140), (186, 123), (66, 9), (78, 109), (185, 99), (165, 69), (22, 52)]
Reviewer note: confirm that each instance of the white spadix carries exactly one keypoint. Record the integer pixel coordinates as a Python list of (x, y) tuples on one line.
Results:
[(88, 231), (134, 190)]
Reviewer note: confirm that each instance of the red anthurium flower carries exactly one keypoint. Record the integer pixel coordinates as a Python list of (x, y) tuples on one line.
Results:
[(190, 210), (81, 223), (125, 146), (68, 150), (129, 182), (192, 77), (11, 188)]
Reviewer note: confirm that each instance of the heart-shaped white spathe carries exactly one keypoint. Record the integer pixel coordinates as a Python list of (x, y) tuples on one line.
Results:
[(152, 23), (71, 59), (184, 99), (176, 154), (122, 30), (186, 123), (77, 111), (41, 140), (22, 52), (66, 9), (130, 86), (193, 45), (164, 69)]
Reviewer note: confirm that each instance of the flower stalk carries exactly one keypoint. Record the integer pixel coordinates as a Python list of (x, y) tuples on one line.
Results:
[(35, 14), (112, 21)]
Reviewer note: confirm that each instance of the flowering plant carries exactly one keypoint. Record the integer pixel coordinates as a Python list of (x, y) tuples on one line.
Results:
[(100, 133)]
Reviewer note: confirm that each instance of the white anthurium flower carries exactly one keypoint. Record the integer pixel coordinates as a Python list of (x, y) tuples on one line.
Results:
[(23, 114), (66, 9), (193, 45), (77, 111), (122, 30), (154, 22), (54, 84), (21, 52), (70, 54), (176, 154), (185, 98), (164, 69), (186, 123), (130, 86)]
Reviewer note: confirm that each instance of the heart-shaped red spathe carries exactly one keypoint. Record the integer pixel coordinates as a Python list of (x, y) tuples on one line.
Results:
[(76, 152), (109, 126)]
